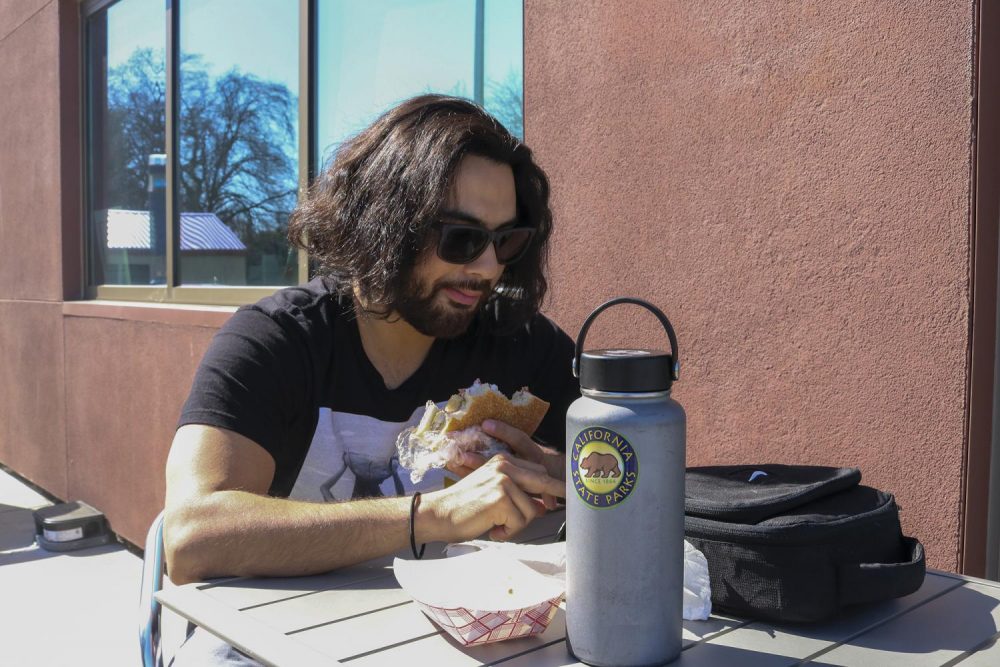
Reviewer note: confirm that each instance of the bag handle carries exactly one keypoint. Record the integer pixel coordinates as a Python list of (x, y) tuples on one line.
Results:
[(869, 582)]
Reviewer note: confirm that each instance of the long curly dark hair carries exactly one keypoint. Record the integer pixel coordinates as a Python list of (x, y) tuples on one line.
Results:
[(368, 216)]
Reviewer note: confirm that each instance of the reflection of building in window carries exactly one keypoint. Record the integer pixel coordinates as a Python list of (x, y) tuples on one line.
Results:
[(211, 251)]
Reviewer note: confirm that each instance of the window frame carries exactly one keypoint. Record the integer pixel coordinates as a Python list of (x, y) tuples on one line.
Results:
[(172, 291)]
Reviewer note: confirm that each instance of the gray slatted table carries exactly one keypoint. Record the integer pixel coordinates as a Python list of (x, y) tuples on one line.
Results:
[(359, 616)]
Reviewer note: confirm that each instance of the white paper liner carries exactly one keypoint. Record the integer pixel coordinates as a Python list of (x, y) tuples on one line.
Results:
[(481, 597), (550, 560)]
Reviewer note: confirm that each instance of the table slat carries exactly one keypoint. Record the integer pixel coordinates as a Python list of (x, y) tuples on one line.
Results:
[(933, 634), (988, 655), (259, 641), (244, 592), (332, 605), (371, 632), (784, 644)]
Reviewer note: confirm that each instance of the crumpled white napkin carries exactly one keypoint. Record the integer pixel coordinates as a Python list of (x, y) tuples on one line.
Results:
[(697, 589), (550, 560)]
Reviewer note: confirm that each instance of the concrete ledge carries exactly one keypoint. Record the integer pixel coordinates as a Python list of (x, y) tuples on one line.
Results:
[(185, 315)]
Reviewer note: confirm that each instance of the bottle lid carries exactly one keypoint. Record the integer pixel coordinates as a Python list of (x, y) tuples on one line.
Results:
[(626, 370)]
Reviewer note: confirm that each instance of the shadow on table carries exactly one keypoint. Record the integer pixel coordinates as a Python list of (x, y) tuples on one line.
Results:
[(960, 620)]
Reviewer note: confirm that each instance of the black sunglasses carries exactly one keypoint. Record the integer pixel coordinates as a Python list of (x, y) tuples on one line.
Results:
[(461, 243)]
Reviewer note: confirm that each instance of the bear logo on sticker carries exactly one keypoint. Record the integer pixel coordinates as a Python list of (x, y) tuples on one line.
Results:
[(603, 467)]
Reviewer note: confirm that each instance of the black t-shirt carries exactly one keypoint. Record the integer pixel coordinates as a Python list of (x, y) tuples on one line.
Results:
[(289, 372)]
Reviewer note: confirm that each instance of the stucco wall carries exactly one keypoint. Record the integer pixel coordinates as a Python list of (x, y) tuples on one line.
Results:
[(32, 434), (126, 380), (790, 182)]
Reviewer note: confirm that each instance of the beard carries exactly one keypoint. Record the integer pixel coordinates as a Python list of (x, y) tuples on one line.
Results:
[(434, 314)]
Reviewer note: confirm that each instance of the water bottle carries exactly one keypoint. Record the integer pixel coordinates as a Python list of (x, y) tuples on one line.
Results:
[(625, 444)]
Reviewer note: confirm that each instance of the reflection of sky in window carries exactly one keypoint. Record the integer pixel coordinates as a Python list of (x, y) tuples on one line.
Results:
[(135, 24), (504, 39), (373, 54), (503, 46), (258, 37)]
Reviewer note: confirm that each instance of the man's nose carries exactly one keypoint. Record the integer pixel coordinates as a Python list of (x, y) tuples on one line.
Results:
[(486, 265)]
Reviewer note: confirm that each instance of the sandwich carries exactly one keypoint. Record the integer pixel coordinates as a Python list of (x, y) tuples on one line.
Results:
[(445, 432)]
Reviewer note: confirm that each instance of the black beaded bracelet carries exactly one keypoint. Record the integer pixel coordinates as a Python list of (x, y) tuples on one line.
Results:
[(413, 518)]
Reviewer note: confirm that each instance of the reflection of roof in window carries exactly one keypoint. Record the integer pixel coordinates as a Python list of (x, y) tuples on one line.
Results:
[(199, 231)]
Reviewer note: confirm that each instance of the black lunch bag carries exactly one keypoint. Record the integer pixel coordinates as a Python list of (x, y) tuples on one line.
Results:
[(797, 543)]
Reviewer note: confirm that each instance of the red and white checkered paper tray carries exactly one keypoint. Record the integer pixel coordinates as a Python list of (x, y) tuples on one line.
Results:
[(481, 597)]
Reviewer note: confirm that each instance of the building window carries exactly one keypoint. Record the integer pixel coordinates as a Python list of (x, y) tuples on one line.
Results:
[(374, 54), (238, 141), (127, 87), (198, 138)]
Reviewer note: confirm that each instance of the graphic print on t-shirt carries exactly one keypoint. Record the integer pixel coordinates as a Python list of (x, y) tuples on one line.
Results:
[(354, 456)]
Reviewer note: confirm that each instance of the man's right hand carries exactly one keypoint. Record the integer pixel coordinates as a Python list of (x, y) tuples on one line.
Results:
[(494, 497)]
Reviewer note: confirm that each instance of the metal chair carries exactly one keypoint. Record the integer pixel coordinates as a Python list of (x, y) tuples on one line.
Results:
[(153, 568)]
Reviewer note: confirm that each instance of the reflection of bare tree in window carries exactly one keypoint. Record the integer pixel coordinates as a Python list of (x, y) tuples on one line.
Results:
[(237, 143), (236, 135), (135, 126), (505, 100)]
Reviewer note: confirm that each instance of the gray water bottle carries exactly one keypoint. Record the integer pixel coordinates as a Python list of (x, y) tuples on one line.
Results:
[(625, 445)]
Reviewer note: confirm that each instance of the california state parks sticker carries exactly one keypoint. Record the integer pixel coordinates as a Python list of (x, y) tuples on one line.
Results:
[(603, 467)]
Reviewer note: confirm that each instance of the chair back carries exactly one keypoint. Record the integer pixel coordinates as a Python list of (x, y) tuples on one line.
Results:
[(153, 567)]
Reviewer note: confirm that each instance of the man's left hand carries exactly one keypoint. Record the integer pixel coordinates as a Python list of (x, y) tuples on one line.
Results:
[(522, 446)]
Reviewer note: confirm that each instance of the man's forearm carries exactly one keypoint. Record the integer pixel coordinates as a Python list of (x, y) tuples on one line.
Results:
[(245, 534)]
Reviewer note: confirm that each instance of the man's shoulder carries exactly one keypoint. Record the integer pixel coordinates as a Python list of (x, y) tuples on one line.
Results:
[(309, 314), (315, 298), (541, 324), (537, 331)]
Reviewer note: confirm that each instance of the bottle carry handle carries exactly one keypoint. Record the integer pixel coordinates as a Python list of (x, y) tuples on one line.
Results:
[(676, 370)]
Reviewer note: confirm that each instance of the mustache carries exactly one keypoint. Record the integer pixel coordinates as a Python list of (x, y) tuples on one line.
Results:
[(482, 286)]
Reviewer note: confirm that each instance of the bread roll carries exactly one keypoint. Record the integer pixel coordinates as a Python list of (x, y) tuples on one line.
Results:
[(472, 406)]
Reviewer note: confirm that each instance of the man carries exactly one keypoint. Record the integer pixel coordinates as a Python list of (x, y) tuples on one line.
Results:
[(430, 229)]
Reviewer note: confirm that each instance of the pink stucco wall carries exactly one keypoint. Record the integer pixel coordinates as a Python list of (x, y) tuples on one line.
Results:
[(790, 182), (32, 433)]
